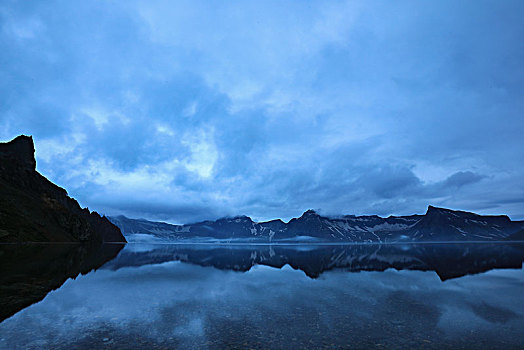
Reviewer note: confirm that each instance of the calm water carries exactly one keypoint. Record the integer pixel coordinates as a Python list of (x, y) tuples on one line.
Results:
[(282, 297)]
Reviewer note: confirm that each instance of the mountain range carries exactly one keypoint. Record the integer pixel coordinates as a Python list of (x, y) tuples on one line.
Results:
[(33, 209), (436, 225)]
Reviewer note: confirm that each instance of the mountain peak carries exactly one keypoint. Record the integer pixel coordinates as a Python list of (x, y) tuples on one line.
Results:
[(432, 208), (437, 210), (20, 149), (310, 212), (237, 219)]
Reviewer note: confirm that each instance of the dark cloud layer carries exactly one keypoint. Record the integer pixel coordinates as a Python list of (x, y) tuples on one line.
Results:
[(191, 111)]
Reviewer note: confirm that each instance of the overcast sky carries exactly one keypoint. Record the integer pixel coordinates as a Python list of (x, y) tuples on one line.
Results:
[(182, 111)]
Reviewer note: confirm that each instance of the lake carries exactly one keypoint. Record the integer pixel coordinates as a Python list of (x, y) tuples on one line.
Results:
[(430, 296)]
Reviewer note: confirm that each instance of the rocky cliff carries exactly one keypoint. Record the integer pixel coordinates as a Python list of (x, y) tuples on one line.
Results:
[(33, 209)]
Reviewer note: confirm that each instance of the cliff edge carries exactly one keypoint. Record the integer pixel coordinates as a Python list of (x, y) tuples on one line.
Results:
[(33, 209)]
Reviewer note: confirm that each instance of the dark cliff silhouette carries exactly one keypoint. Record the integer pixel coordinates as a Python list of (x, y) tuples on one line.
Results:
[(33, 209)]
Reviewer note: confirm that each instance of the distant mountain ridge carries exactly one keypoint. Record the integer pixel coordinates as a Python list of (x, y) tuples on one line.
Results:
[(438, 224)]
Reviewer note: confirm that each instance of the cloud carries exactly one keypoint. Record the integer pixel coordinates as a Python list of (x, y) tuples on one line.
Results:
[(246, 109), (462, 178), (203, 152)]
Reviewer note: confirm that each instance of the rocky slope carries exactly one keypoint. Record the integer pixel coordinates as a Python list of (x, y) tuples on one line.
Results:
[(33, 209), (438, 224), (517, 236)]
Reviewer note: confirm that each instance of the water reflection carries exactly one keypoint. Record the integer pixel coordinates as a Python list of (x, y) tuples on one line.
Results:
[(165, 296), (447, 260), (30, 271)]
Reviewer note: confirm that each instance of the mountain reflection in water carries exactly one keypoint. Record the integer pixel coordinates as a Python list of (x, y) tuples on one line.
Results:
[(267, 296), (447, 260)]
